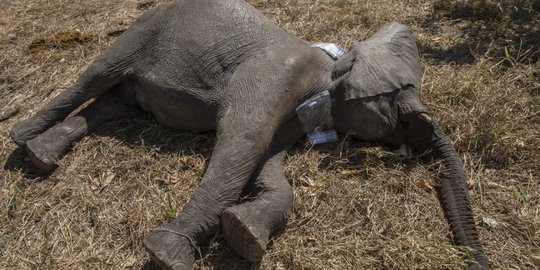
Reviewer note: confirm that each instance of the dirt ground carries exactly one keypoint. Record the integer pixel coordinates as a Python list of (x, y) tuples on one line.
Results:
[(357, 205)]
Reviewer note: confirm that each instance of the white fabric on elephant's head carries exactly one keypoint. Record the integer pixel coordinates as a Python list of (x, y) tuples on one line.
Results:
[(332, 49)]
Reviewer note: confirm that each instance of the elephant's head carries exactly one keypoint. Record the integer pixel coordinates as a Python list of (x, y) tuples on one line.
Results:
[(376, 99)]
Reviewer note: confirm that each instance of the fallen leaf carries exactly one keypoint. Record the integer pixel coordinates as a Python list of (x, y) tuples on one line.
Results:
[(107, 179), (94, 184), (424, 185), (490, 222)]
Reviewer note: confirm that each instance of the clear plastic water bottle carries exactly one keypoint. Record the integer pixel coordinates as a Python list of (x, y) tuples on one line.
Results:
[(315, 114)]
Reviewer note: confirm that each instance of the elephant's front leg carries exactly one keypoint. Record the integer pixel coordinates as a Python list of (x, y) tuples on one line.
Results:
[(234, 160), (244, 134), (248, 226)]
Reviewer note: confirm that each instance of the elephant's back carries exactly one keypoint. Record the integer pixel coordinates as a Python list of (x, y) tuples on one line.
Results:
[(200, 43), (192, 49)]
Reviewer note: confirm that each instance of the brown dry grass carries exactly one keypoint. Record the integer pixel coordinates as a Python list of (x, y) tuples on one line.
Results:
[(356, 206)]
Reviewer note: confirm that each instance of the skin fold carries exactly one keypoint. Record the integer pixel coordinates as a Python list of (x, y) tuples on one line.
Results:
[(221, 65)]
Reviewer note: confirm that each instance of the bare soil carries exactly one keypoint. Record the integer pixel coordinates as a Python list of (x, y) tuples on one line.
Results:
[(357, 205)]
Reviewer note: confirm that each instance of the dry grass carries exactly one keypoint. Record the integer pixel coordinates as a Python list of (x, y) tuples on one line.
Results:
[(356, 206)]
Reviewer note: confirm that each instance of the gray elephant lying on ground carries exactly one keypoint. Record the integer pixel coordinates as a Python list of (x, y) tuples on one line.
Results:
[(221, 65)]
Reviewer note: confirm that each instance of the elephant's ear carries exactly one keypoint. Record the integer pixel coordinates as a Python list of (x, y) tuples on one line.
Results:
[(384, 63)]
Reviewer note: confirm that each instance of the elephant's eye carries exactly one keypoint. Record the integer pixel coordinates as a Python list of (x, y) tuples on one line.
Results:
[(405, 125)]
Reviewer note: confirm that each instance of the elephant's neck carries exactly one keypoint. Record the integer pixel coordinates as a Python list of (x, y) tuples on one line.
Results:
[(333, 51)]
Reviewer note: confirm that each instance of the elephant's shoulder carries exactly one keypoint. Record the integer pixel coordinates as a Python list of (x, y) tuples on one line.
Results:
[(308, 70)]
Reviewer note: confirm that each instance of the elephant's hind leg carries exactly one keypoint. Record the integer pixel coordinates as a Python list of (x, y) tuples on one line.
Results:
[(45, 149), (248, 226), (93, 82)]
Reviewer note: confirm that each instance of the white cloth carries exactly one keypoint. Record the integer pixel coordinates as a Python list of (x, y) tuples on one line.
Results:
[(332, 49)]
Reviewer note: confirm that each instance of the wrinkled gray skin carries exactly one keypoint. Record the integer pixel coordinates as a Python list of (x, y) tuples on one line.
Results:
[(221, 65)]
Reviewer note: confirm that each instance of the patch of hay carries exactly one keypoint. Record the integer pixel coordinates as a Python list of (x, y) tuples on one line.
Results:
[(357, 206), (61, 40)]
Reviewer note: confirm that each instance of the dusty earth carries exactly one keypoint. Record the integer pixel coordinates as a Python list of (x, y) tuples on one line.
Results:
[(357, 205)]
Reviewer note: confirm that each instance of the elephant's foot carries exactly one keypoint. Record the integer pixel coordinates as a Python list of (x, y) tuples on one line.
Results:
[(170, 250), (26, 130), (243, 233), (42, 153), (45, 149)]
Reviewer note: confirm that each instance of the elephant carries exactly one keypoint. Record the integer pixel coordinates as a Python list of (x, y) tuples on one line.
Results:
[(220, 65)]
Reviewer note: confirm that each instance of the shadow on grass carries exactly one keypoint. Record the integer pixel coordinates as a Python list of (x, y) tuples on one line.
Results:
[(141, 131), (18, 161), (351, 154), (145, 132), (221, 257), (507, 30)]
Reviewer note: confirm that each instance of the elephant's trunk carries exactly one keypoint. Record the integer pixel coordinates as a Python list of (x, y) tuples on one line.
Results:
[(451, 185)]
